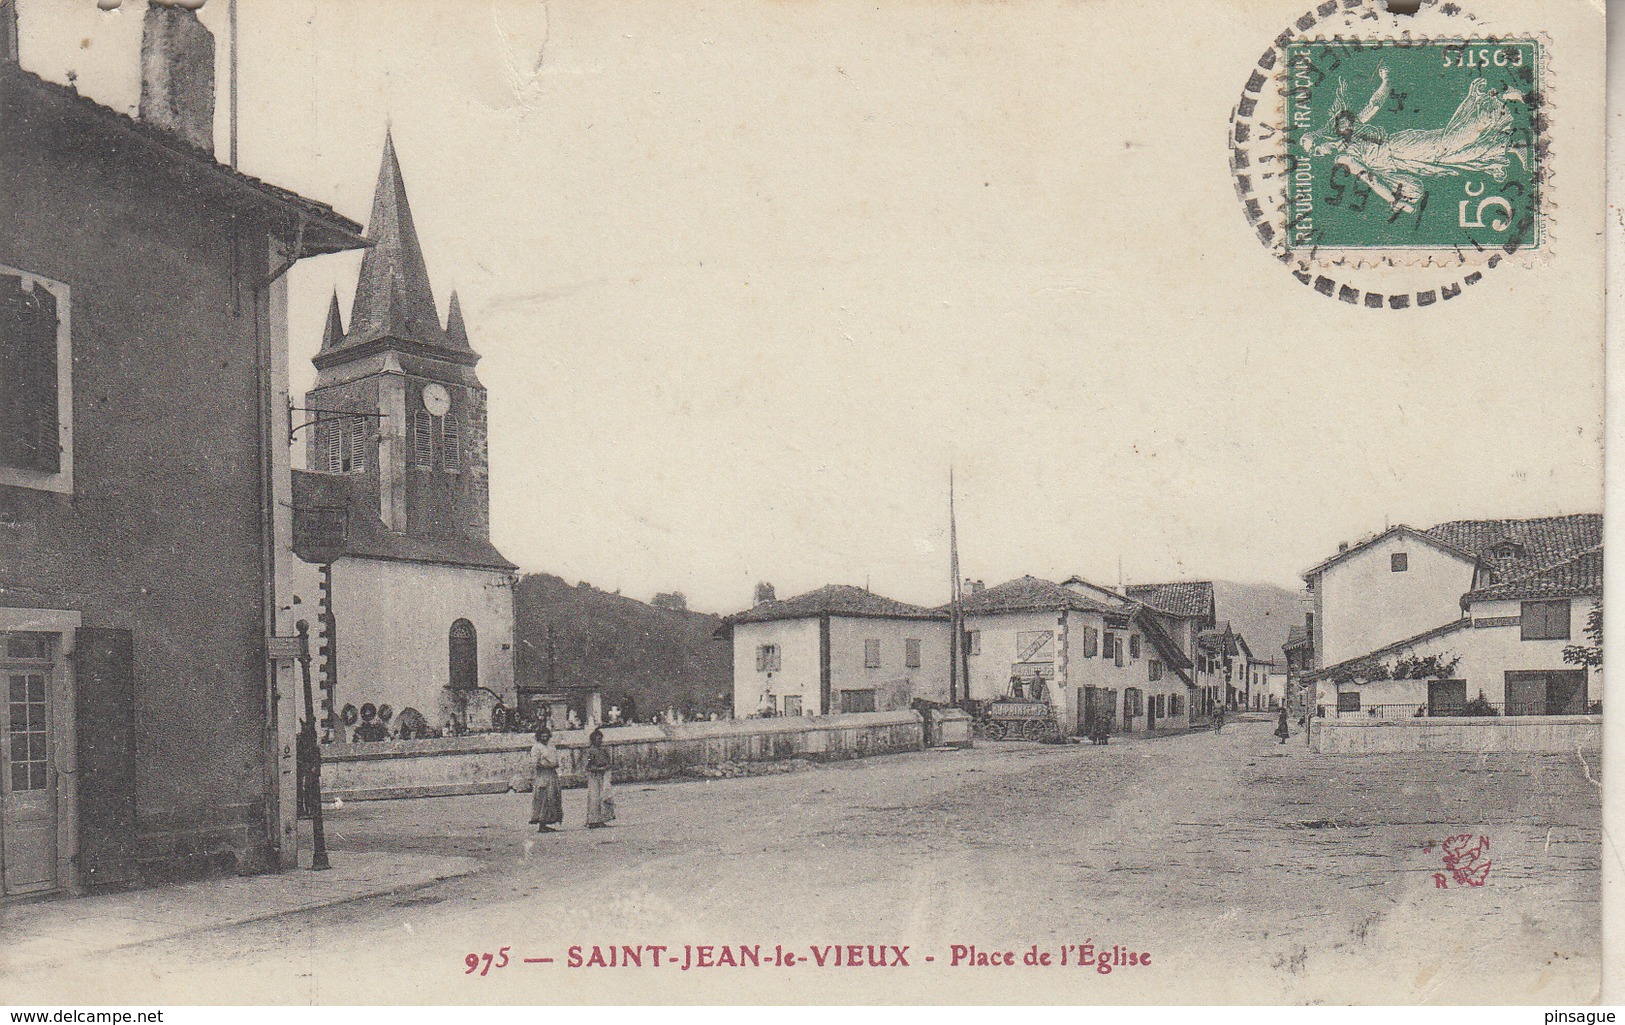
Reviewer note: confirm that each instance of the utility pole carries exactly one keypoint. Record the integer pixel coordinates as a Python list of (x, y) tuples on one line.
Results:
[(231, 10), (956, 615), (311, 749)]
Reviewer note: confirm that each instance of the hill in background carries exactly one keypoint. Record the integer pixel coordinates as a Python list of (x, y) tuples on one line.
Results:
[(1263, 613), (661, 655)]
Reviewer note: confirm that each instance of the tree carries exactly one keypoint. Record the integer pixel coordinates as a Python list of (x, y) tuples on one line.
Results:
[(1588, 655)]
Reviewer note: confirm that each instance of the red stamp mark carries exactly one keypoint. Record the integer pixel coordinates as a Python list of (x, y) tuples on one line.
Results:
[(1467, 858)]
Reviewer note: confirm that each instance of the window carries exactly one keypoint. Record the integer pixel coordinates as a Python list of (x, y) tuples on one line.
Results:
[(1348, 701), (1398, 562), (1091, 642), (1153, 670), (767, 658), (858, 700), (1134, 646), (343, 442), (1176, 704), (1546, 620), (792, 704), (1107, 644), (973, 642), (871, 655), (423, 440), (911, 656), (1162, 706), (29, 730), (36, 401), (1117, 651), (450, 442), (465, 656)]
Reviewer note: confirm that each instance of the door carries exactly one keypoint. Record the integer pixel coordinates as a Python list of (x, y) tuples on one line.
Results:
[(1566, 692), (28, 805), (1526, 693), (1446, 697)]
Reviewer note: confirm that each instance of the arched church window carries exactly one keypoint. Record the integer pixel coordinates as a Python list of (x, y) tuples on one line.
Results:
[(450, 442), (423, 439), (465, 656)]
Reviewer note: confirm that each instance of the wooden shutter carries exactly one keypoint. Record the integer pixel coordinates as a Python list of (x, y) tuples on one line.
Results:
[(105, 723), (355, 444), (450, 441), (29, 430), (423, 439)]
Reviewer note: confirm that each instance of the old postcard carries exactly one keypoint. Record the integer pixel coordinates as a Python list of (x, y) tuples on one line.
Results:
[(945, 501)]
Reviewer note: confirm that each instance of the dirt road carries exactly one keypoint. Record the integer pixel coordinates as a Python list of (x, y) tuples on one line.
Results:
[(1250, 872)]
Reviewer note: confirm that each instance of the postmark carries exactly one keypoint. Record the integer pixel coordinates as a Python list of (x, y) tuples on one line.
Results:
[(1391, 162)]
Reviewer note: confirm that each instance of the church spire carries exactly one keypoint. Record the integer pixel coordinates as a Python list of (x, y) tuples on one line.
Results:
[(333, 334), (456, 333), (393, 298)]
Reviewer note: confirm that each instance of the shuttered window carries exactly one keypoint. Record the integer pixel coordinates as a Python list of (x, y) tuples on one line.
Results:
[(1134, 646), (767, 658), (30, 431), (423, 439), (1153, 670), (1545, 620), (1091, 642), (911, 653), (871, 654), (450, 442)]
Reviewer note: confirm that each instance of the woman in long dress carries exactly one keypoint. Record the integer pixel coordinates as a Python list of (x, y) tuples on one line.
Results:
[(600, 802), (1478, 139), (546, 800)]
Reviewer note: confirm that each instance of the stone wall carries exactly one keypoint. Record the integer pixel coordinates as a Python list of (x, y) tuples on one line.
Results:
[(1550, 734), (495, 763)]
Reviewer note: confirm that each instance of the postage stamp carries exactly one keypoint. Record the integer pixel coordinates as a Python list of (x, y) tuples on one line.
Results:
[(1399, 145)]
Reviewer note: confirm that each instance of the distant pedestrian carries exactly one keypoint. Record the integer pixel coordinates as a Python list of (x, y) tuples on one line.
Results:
[(600, 801), (546, 800), (1218, 719), (1281, 728)]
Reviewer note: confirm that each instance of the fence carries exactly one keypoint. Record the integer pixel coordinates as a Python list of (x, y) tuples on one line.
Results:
[(1421, 710), (495, 763)]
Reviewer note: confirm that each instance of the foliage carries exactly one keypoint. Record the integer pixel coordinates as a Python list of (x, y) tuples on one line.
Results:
[(1410, 667), (1588, 655), (1478, 706)]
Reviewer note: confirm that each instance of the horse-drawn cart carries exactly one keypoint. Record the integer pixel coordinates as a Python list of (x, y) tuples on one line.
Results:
[(1017, 719)]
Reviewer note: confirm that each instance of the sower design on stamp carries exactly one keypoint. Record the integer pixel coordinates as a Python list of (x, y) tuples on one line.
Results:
[(1401, 145)]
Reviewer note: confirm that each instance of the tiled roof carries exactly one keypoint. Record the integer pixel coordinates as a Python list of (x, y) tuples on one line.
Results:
[(366, 536), (1537, 542), (1573, 577), (1189, 599), (835, 600), (1031, 594), (326, 231), (1296, 637), (1388, 649)]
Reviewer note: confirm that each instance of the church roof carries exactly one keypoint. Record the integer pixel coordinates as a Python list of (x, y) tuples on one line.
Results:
[(394, 302), (359, 532)]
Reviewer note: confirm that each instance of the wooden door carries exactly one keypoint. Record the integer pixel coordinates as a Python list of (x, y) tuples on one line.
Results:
[(104, 666), (1446, 697), (1525, 694), (1566, 692)]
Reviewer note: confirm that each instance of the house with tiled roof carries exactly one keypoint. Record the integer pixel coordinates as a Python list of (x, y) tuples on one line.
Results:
[(1470, 611), (1186, 608), (836, 649), (1086, 650), (144, 484)]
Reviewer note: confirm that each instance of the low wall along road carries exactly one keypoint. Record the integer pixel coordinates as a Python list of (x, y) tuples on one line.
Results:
[(498, 762), (1552, 734)]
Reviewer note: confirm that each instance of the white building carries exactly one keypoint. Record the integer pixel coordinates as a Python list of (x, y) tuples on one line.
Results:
[(1083, 649), (1520, 599), (837, 649)]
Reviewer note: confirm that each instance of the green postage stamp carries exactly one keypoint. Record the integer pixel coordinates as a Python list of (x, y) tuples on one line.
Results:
[(1399, 145)]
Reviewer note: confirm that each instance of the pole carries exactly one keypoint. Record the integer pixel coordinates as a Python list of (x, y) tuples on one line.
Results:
[(231, 10), (956, 616), (312, 750)]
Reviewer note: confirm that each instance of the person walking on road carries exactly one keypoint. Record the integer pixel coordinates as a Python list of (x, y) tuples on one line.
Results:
[(600, 801), (1218, 719), (1281, 728), (546, 799)]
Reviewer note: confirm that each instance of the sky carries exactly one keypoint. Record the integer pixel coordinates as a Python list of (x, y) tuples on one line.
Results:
[(747, 277)]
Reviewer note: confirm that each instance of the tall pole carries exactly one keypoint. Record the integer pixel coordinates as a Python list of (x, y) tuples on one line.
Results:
[(311, 748), (956, 615), (231, 10)]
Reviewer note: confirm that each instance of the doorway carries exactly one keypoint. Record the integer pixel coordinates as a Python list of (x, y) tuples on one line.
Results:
[(1447, 697), (28, 778)]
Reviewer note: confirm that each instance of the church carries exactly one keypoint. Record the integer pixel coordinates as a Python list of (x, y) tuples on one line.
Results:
[(410, 607)]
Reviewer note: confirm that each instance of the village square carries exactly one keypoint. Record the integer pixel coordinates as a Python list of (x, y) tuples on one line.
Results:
[(363, 752)]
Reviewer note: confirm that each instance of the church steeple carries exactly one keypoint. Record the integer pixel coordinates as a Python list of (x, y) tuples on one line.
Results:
[(393, 298), (456, 333), (333, 334)]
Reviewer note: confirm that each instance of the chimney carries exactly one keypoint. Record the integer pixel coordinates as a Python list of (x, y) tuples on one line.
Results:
[(764, 593), (1342, 547), (8, 32), (177, 74)]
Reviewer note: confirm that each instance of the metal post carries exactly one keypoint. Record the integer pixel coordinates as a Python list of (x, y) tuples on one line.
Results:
[(313, 753)]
